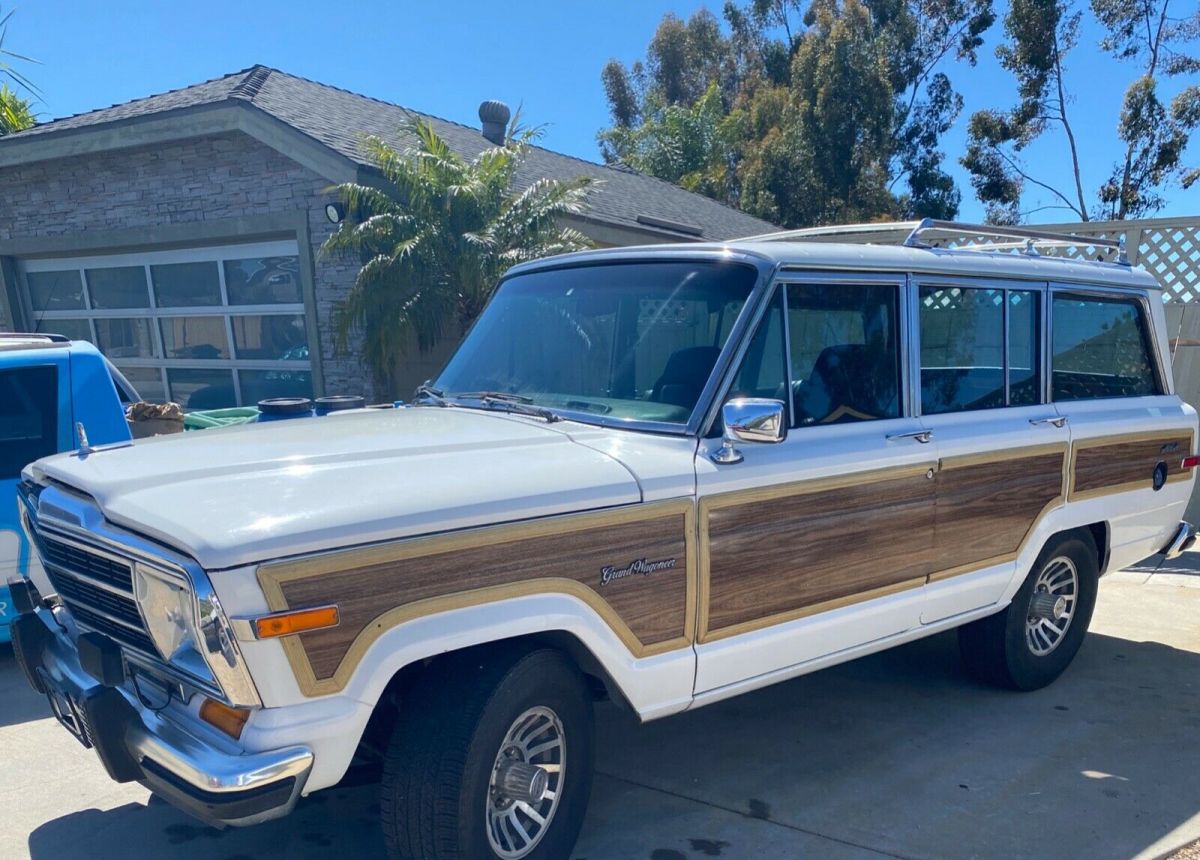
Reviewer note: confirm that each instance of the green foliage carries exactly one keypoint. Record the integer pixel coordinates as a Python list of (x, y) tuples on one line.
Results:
[(1039, 34), (16, 114), (844, 96), (434, 236)]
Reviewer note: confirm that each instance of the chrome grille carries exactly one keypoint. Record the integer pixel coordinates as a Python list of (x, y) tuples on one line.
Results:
[(97, 590), (72, 558)]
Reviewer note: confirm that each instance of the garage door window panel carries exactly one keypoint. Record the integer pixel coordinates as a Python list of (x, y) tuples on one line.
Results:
[(263, 281), (194, 337), (55, 291), (181, 285), (118, 287), (126, 337), (188, 324)]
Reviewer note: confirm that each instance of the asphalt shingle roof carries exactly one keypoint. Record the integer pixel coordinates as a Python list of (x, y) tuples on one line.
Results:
[(339, 119)]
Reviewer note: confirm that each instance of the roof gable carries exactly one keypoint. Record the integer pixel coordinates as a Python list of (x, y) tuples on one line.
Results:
[(338, 120)]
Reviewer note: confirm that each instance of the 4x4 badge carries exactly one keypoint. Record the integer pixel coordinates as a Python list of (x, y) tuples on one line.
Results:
[(641, 566)]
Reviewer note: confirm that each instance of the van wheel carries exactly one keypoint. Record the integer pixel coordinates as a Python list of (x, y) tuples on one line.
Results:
[(492, 758), (1029, 644)]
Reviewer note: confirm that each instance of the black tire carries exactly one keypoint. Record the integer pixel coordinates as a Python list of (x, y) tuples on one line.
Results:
[(438, 767), (996, 650)]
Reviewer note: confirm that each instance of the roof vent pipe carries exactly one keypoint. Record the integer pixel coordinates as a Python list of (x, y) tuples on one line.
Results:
[(495, 115)]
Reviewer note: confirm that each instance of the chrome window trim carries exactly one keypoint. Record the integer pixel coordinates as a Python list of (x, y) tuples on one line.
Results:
[(1163, 380), (970, 282), (77, 520), (780, 279)]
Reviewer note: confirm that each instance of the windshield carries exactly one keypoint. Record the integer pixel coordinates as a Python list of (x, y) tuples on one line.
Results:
[(621, 340)]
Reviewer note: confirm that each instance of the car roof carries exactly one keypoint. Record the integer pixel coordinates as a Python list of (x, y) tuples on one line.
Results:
[(799, 255)]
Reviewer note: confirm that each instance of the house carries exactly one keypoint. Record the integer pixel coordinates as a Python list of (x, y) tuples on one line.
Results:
[(180, 232)]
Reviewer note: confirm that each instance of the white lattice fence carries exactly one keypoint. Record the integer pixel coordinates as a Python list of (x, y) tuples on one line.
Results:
[(1168, 248)]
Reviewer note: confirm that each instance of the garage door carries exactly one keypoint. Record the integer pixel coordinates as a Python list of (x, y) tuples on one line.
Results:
[(205, 327)]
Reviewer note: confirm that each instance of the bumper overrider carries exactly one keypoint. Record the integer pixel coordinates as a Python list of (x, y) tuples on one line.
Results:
[(222, 786)]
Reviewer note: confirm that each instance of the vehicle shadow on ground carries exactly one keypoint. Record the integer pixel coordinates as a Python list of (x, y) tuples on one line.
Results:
[(895, 753)]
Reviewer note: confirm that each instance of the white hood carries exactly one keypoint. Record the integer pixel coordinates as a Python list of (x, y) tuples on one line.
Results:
[(244, 494)]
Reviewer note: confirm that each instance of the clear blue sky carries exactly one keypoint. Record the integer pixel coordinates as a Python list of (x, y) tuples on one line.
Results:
[(445, 57)]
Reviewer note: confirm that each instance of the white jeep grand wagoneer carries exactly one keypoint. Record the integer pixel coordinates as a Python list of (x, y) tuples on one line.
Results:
[(664, 475)]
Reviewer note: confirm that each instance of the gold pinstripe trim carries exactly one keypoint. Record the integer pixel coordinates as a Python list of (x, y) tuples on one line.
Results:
[(272, 577)]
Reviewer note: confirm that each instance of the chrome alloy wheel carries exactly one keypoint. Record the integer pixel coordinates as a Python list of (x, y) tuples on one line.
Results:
[(1052, 605), (526, 784)]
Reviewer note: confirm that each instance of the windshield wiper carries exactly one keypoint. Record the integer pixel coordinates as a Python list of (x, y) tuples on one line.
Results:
[(503, 401), (494, 395)]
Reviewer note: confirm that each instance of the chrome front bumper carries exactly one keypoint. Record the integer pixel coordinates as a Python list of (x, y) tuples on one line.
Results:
[(1182, 541), (221, 786)]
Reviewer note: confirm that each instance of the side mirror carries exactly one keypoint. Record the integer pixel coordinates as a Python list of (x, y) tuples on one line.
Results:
[(749, 419)]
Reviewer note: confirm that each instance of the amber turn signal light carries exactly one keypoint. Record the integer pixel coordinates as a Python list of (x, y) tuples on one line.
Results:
[(297, 621), (229, 720)]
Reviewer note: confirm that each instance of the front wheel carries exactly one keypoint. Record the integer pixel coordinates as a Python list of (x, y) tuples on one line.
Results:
[(1032, 642), (493, 759)]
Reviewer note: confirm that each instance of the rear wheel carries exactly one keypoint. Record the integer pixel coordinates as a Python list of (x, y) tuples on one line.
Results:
[(492, 758), (1033, 641)]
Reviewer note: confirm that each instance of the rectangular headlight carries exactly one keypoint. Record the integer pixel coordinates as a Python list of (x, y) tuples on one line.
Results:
[(167, 608)]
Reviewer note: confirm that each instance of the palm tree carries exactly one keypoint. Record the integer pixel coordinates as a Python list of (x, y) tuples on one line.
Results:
[(15, 112), (435, 236)]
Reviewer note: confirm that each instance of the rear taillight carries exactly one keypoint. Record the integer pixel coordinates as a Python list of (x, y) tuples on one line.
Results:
[(1191, 462)]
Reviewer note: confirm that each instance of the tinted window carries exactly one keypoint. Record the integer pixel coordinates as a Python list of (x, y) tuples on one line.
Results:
[(764, 366), (965, 361), (28, 417), (844, 351), (630, 340), (1100, 349), (1024, 348)]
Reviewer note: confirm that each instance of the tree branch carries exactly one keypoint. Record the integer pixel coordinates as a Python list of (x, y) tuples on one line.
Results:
[(1020, 172)]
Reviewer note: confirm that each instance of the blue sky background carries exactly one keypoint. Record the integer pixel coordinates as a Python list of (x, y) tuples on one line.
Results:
[(444, 58)]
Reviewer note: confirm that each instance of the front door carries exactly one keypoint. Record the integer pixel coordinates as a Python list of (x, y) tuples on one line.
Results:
[(822, 542), (1002, 449)]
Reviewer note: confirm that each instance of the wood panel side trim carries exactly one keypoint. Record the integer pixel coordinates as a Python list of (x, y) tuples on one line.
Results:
[(1127, 476), (274, 579)]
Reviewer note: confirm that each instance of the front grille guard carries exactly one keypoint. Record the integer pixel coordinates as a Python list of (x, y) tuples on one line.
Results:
[(56, 514)]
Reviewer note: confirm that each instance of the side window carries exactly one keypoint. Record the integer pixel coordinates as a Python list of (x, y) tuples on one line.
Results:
[(763, 372), (844, 351), (28, 417), (1101, 349), (966, 361)]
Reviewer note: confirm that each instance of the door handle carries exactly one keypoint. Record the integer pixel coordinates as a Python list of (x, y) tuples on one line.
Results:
[(1057, 421), (922, 436)]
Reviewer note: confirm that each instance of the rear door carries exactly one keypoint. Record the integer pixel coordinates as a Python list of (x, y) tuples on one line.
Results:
[(1001, 449), (1129, 432), (821, 542)]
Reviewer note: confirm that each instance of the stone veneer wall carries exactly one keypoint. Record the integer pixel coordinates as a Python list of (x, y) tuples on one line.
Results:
[(207, 179)]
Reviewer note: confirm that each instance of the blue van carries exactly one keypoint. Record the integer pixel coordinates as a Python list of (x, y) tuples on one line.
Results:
[(49, 385)]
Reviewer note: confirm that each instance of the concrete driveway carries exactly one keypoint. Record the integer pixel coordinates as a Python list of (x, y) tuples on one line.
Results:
[(896, 755)]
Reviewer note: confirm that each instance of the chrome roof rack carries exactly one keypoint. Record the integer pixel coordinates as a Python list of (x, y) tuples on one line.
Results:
[(909, 234)]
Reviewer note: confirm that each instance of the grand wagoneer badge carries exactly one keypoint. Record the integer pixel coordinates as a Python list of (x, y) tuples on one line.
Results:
[(640, 567)]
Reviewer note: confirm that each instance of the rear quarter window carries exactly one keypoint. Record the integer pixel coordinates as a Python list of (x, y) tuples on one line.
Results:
[(28, 417), (1101, 349)]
